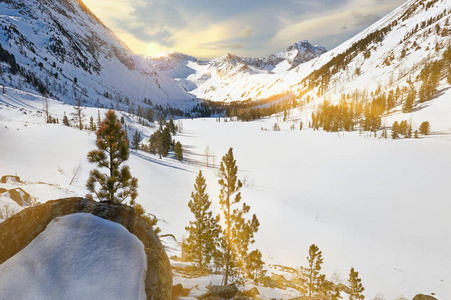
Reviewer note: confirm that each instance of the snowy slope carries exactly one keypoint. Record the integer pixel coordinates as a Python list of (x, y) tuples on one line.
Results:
[(380, 206), (79, 256), (64, 48)]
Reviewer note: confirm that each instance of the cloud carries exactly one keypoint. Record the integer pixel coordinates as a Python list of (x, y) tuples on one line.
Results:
[(365, 19), (330, 28), (213, 46), (206, 29), (246, 32)]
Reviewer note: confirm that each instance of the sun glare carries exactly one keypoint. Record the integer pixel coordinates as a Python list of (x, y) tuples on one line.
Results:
[(153, 49)]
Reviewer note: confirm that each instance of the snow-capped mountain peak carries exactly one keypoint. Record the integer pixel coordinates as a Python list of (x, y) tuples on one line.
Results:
[(61, 48)]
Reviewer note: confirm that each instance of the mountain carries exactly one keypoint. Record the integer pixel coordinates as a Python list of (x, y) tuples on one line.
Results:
[(390, 54), (60, 47), (295, 55), (213, 80)]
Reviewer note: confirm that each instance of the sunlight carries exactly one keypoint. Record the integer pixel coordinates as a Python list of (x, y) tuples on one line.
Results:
[(153, 49)]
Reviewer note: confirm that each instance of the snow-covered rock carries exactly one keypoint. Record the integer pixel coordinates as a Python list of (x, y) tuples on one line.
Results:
[(79, 256)]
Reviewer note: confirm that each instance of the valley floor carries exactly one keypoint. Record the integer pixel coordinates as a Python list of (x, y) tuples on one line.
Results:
[(380, 206)]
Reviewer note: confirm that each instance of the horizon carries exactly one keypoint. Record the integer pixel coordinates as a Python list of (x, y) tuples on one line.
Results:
[(207, 31)]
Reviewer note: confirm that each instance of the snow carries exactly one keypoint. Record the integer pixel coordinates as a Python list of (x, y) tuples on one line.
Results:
[(111, 67), (78, 256), (380, 206), (7, 206)]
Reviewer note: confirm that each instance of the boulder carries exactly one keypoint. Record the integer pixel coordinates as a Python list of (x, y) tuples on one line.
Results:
[(19, 230), (19, 196), (423, 297), (252, 293), (220, 292), (10, 178), (179, 291), (282, 282)]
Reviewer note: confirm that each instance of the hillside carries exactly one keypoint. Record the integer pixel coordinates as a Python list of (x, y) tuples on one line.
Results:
[(60, 47)]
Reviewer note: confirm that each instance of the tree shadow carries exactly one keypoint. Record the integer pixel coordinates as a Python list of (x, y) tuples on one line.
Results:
[(159, 161)]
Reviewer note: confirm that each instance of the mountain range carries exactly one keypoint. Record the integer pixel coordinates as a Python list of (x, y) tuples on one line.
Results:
[(61, 48)]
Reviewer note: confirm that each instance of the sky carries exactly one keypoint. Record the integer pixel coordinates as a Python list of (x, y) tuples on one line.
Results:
[(255, 28)]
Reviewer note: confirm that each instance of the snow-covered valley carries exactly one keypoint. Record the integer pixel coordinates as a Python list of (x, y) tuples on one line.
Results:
[(378, 205)]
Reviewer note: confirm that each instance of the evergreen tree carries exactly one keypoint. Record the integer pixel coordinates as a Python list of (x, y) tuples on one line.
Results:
[(238, 233), (79, 114), (408, 104), (155, 143), (202, 241), (112, 151), (314, 283), (355, 286), (416, 134), (66, 120), (178, 151), (395, 130), (166, 141), (92, 126), (409, 131), (403, 127), (384, 133), (311, 275), (425, 128), (254, 265), (99, 121), (172, 127), (136, 140)]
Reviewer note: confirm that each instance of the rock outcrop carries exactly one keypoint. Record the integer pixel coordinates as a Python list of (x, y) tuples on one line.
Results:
[(218, 292), (423, 297), (19, 230)]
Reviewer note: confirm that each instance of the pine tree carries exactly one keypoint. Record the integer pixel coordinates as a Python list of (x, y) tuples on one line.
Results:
[(409, 131), (99, 121), (166, 141), (66, 120), (255, 264), (79, 114), (202, 241), (408, 104), (355, 286), (136, 140), (112, 150), (238, 233), (311, 275), (155, 143), (403, 127), (172, 127), (178, 151), (395, 130), (425, 128), (92, 126)]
